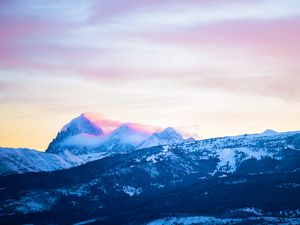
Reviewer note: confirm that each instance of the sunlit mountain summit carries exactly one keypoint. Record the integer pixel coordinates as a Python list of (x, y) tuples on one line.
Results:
[(87, 133)]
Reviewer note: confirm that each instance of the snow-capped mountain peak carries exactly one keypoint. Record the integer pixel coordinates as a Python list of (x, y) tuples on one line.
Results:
[(82, 124), (190, 139), (79, 128), (170, 132), (168, 136), (128, 134), (269, 132)]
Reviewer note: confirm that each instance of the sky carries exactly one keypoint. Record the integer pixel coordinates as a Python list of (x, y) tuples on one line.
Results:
[(205, 67)]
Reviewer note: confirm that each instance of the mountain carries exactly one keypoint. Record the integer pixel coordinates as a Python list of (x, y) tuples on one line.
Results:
[(83, 136), (269, 132), (80, 141), (80, 131), (21, 160), (234, 179), (82, 124), (124, 138), (168, 136)]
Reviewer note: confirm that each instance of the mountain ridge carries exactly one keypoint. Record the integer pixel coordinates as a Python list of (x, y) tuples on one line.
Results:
[(82, 136), (167, 136), (191, 178), (10, 159)]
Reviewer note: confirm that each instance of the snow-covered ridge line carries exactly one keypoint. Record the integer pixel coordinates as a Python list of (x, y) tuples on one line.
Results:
[(22, 160), (230, 151), (85, 134), (263, 134)]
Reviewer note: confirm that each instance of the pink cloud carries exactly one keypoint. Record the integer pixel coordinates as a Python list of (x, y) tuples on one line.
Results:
[(22, 42), (105, 10), (117, 74), (5, 86), (105, 124), (108, 125), (13, 29), (96, 73), (285, 87), (278, 38)]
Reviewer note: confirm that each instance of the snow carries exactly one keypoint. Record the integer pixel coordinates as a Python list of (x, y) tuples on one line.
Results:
[(79, 190), (166, 148), (154, 158), (152, 171), (82, 124), (27, 160), (32, 202), (168, 136), (227, 159), (85, 222), (251, 210), (93, 156), (269, 132), (194, 220), (128, 135), (214, 220), (131, 191), (257, 154), (14, 161), (158, 185), (288, 185), (230, 151), (279, 220), (290, 213), (30, 207)]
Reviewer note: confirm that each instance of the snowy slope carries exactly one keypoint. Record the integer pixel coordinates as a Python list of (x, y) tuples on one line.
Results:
[(232, 151), (21, 160)]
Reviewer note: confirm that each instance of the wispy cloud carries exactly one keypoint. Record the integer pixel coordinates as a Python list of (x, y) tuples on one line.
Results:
[(284, 87), (142, 59), (5, 86)]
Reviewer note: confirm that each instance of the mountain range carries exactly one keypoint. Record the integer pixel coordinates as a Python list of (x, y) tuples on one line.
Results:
[(82, 136), (134, 176), (82, 140)]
